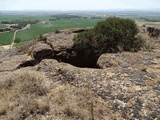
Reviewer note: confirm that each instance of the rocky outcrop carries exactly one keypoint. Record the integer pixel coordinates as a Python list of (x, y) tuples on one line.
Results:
[(63, 48), (128, 83), (125, 59), (41, 51), (128, 91), (11, 63), (61, 41), (131, 91)]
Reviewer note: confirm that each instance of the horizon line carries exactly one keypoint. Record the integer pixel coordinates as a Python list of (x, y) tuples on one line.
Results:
[(119, 9)]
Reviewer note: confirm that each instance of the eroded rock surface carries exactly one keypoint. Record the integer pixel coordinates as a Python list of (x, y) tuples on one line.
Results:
[(128, 83), (41, 51)]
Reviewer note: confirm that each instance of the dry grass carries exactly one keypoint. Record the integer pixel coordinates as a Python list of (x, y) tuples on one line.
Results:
[(78, 103), (23, 96), (30, 96), (25, 47)]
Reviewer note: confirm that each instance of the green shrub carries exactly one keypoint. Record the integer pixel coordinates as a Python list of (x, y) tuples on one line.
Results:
[(56, 31), (109, 36), (41, 38), (17, 40)]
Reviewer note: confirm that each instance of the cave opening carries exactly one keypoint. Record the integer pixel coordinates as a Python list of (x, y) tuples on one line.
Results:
[(78, 60)]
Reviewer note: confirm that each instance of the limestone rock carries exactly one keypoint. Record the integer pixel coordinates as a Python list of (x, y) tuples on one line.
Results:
[(128, 85), (41, 51), (108, 60)]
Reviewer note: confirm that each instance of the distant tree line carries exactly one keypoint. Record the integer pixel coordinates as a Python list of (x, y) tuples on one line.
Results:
[(96, 18), (5, 30), (151, 19), (64, 16), (19, 24), (54, 19), (58, 17)]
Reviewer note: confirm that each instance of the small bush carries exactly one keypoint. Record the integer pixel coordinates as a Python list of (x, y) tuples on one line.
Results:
[(31, 85), (17, 40), (41, 38), (148, 47), (56, 31), (109, 36)]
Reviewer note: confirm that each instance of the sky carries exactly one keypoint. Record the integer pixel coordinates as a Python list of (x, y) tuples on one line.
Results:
[(78, 4)]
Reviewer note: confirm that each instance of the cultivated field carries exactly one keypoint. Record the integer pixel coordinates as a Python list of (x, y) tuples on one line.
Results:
[(42, 27), (2, 26), (6, 38), (50, 23), (38, 29)]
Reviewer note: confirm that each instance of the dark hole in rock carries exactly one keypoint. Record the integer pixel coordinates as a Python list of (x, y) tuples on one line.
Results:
[(29, 63), (67, 56), (43, 54), (78, 60)]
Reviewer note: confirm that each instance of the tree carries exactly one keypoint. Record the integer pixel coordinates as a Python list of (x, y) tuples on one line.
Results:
[(109, 36)]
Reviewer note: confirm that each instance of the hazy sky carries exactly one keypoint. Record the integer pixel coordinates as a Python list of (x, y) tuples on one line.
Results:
[(77, 4)]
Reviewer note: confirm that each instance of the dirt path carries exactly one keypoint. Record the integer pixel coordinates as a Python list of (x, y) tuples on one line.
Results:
[(14, 36), (6, 47)]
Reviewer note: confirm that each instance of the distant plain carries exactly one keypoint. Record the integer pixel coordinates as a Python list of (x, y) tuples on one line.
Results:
[(65, 23)]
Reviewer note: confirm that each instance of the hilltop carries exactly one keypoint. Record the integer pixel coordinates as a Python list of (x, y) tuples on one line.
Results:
[(37, 81)]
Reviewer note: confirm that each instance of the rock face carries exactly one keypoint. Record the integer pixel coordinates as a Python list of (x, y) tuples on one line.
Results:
[(62, 45), (127, 90), (125, 59), (41, 51), (60, 41), (128, 84)]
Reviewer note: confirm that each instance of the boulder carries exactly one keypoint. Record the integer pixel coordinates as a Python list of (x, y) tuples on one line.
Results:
[(108, 60), (41, 51), (61, 41)]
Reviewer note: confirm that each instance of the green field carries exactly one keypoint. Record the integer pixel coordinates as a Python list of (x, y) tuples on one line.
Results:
[(2, 26), (6, 38), (142, 16), (37, 29), (58, 24), (23, 17)]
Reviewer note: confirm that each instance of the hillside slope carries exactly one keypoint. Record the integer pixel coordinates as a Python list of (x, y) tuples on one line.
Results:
[(40, 85)]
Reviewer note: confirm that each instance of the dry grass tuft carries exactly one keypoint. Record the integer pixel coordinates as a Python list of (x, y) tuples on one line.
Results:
[(25, 47)]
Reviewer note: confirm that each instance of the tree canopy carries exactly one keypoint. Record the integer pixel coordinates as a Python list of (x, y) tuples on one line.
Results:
[(110, 35)]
